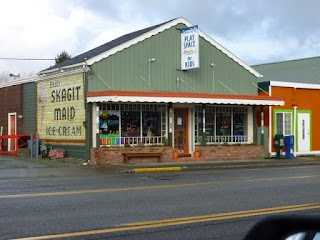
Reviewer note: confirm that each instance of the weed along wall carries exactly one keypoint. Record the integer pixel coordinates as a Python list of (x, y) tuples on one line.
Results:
[(113, 155), (61, 113)]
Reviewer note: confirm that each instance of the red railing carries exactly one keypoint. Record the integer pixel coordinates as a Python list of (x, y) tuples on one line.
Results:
[(20, 140)]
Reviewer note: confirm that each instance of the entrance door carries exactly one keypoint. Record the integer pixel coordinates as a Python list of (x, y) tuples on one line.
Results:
[(12, 123), (303, 132), (181, 138)]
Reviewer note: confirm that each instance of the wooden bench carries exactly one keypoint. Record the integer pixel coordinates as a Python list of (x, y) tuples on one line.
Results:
[(126, 156)]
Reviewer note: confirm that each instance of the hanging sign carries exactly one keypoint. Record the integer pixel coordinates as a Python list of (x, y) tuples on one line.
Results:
[(189, 47)]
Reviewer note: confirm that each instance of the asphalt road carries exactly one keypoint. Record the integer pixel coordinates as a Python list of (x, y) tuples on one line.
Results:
[(88, 204)]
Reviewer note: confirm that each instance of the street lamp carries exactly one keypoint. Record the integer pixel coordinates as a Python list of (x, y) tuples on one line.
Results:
[(150, 60), (213, 66)]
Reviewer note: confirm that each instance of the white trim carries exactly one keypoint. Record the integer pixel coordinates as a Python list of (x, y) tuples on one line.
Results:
[(95, 124), (9, 130), (294, 130), (51, 71), (229, 54), (154, 32), (184, 100), (44, 76), (250, 124), (294, 85), (270, 125), (19, 81)]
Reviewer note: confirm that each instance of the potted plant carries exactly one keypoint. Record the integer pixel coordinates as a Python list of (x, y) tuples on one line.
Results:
[(196, 152), (175, 153)]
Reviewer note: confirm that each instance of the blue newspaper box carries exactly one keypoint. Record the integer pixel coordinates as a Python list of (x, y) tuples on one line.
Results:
[(289, 143)]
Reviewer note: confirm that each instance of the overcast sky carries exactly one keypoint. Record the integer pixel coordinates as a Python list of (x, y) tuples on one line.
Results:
[(256, 31)]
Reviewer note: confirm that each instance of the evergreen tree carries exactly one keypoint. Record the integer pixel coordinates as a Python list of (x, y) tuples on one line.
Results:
[(63, 56)]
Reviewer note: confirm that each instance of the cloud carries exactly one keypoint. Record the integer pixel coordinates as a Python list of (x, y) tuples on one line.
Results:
[(36, 30), (255, 31)]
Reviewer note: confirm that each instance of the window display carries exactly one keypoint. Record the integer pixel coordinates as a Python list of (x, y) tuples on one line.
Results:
[(121, 124), (222, 124)]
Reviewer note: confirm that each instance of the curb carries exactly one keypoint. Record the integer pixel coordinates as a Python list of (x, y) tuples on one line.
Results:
[(149, 170)]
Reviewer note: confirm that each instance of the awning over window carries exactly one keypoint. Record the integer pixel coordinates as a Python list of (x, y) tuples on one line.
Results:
[(182, 97)]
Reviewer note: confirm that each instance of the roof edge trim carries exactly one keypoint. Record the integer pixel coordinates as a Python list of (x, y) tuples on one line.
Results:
[(155, 31), (294, 85)]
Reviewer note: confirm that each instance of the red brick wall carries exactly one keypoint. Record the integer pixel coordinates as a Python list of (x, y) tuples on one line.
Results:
[(231, 152), (113, 155)]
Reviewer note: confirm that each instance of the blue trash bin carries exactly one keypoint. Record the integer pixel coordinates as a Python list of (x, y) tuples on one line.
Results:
[(289, 143)]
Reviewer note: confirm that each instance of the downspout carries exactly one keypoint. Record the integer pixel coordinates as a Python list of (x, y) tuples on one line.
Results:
[(294, 129), (262, 125), (270, 126), (294, 105)]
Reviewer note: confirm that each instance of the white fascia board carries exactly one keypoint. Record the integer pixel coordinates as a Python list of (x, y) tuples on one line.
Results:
[(63, 68), (19, 81), (229, 54), (163, 28), (294, 85), (59, 74), (184, 100), (138, 39)]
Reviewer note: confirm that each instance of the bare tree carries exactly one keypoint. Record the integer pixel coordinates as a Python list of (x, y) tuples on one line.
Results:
[(4, 76)]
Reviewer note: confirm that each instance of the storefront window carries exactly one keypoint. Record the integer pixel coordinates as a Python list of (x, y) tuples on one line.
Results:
[(151, 124), (109, 126), (210, 123), (222, 124), (239, 126), (130, 124), (121, 124)]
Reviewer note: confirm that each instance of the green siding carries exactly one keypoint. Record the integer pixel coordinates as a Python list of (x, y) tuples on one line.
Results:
[(29, 108), (126, 69)]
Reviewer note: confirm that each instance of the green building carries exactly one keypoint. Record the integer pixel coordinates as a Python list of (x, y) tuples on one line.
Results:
[(169, 84)]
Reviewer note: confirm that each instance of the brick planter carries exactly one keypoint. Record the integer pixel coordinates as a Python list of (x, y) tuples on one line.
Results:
[(231, 152), (113, 155)]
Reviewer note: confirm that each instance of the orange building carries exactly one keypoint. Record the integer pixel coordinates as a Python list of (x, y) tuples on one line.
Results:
[(298, 82)]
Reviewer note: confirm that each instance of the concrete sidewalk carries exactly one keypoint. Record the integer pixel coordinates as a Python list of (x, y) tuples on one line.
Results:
[(223, 164), (11, 165)]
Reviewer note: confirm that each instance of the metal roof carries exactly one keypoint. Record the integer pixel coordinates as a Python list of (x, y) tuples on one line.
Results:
[(305, 70), (103, 48)]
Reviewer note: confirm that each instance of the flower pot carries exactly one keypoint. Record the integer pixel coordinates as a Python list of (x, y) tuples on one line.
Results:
[(175, 155), (196, 154)]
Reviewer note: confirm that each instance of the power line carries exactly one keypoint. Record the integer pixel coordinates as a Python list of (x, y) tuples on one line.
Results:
[(28, 59)]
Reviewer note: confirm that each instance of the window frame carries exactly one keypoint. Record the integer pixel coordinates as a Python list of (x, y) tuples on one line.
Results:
[(285, 128)]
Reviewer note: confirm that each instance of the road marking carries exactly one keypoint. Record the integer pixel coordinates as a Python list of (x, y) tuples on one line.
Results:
[(162, 169), (106, 190), (251, 169), (182, 221), (217, 215)]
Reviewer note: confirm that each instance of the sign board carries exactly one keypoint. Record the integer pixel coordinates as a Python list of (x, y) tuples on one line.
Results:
[(61, 111), (189, 47)]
